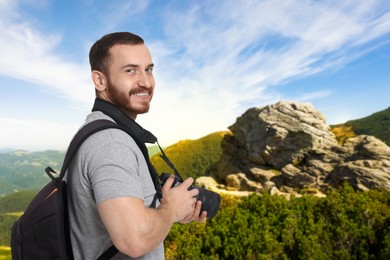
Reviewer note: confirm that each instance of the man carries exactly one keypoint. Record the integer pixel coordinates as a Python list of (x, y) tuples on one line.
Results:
[(110, 188)]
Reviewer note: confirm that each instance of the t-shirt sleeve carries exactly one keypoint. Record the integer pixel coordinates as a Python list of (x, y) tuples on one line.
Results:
[(114, 168)]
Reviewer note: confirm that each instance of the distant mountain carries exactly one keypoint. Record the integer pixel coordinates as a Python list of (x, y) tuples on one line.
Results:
[(377, 124), (6, 150), (21, 170)]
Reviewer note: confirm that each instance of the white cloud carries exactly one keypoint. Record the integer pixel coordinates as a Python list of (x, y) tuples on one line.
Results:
[(30, 55), (216, 55), (6, 6), (35, 135), (311, 35), (313, 95)]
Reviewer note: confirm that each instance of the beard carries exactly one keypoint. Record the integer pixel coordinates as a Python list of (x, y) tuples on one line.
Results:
[(123, 100)]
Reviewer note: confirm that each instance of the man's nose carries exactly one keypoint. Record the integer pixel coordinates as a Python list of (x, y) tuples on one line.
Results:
[(145, 80)]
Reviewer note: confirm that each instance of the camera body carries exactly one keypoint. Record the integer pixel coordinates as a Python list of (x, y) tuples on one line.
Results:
[(210, 200)]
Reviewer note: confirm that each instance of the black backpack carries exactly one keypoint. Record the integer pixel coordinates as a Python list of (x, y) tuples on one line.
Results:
[(42, 232)]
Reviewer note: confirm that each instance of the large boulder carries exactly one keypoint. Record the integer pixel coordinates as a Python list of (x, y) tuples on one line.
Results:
[(282, 133), (289, 145)]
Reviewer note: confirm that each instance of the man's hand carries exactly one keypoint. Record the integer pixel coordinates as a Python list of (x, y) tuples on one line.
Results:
[(195, 216), (182, 202)]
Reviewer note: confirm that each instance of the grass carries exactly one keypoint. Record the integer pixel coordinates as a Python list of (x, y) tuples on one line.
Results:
[(343, 132), (5, 253), (14, 214)]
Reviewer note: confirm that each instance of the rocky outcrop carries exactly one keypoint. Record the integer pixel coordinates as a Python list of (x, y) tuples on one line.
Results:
[(289, 146)]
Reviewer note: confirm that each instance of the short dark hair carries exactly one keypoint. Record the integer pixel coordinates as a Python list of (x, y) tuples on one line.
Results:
[(99, 54)]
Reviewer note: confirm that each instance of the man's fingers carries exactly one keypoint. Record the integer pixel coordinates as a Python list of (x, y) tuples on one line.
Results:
[(168, 183), (188, 182), (203, 216)]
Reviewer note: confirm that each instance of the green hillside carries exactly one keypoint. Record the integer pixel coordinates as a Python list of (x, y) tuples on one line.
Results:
[(16, 202), (377, 124), (11, 207), (191, 157), (153, 149)]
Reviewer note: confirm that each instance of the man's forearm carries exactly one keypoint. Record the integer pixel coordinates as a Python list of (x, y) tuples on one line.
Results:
[(134, 229)]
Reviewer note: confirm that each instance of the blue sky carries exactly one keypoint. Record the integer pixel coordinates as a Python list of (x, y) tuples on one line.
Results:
[(214, 60)]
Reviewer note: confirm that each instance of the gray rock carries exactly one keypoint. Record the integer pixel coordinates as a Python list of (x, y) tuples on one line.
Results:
[(287, 146), (280, 134)]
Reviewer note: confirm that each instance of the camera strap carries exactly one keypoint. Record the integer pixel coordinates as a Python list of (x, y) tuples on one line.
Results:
[(170, 164), (139, 135)]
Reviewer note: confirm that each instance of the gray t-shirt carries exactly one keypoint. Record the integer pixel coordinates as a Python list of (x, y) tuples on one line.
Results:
[(109, 164)]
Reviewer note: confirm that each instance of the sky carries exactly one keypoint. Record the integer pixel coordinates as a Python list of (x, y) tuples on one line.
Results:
[(213, 61)]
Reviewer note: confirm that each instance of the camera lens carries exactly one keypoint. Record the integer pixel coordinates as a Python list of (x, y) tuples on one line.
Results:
[(210, 202)]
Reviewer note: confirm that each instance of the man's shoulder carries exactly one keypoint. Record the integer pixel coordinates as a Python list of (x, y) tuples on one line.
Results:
[(110, 136), (97, 115)]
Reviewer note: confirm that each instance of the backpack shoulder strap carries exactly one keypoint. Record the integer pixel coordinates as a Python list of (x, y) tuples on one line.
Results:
[(86, 131)]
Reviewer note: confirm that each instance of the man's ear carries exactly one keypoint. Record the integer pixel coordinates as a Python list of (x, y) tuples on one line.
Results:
[(99, 79)]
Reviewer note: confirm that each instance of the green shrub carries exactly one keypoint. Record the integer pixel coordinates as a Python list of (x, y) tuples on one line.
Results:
[(6, 222), (344, 225)]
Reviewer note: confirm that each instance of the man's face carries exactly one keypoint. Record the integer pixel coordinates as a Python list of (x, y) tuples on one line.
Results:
[(130, 81)]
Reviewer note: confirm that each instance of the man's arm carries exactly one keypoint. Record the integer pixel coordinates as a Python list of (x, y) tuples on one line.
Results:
[(136, 230)]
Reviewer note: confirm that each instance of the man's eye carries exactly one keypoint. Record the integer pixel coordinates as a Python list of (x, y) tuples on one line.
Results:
[(130, 70), (149, 70)]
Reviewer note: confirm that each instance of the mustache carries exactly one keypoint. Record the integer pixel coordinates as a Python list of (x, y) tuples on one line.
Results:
[(138, 90)]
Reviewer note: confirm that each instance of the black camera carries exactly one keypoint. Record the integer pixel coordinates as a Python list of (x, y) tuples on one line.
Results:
[(210, 200)]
